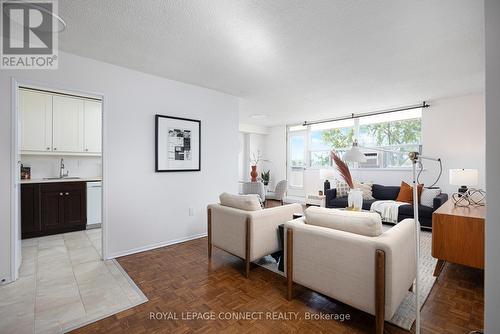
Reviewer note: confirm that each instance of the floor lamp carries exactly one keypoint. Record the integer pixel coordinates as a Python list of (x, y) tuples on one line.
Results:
[(355, 155)]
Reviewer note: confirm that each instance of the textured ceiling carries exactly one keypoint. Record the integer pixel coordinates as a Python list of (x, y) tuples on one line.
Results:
[(291, 60)]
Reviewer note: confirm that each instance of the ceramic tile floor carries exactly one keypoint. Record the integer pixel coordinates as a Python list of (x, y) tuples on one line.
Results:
[(63, 284)]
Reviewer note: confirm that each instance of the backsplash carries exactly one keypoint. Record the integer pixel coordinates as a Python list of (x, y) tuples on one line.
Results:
[(48, 166)]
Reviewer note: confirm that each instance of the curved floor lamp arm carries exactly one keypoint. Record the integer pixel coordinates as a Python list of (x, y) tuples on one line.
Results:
[(417, 246), (416, 158)]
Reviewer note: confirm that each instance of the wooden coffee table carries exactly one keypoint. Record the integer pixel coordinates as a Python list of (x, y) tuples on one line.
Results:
[(458, 235)]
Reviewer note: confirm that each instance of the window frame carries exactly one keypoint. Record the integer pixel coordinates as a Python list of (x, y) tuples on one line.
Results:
[(309, 151)]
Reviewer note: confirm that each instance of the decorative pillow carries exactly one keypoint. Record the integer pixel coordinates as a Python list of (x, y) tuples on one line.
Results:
[(242, 202), (364, 223), (366, 187), (342, 188), (428, 195), (406, 192)]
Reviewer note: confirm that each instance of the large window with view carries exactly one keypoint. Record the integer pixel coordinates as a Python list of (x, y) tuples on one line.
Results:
[(377, 134)]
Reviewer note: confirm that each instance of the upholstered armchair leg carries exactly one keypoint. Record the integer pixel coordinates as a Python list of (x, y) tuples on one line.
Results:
[(379, 291), (247, 248), (289, 263), (209, 233)]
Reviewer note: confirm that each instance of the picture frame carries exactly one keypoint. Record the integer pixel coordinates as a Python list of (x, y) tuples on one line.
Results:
[(177, 144)]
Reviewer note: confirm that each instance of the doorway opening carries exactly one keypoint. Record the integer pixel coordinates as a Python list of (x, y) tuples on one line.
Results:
[(57, 179)]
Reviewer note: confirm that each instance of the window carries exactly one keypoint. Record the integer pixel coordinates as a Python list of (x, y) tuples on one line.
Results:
[(297, 156), (327, 136), (397, 132)]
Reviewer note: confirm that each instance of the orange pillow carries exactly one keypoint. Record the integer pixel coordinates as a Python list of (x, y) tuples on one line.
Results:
[(406, 192)]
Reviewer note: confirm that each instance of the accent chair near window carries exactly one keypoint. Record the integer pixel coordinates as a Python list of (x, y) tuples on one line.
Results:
[(279, 192)]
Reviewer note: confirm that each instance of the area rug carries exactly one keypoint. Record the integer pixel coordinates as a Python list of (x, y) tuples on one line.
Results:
[(405, 315)]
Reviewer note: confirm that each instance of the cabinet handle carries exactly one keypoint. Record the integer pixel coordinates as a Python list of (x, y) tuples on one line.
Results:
[(86, 150), (48, 148), (60, 194), (55, 148), (67, 194)]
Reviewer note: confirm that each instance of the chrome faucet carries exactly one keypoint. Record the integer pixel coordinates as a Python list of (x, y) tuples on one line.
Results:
[(61, 170)]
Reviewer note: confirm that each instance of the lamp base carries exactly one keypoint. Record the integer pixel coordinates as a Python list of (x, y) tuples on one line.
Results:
[(326, 186), (462, 190)]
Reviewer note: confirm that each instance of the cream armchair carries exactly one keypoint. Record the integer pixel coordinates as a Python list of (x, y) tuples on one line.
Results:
[(370, 273), (248, 235)]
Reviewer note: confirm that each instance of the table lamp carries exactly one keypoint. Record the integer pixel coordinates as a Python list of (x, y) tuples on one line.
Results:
[(325, 174), (463, 178)]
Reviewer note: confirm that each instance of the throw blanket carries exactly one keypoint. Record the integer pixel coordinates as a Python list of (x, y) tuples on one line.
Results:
[(388, 210)]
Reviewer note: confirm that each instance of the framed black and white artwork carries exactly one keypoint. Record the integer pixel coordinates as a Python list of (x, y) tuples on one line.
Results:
[(178, 144)]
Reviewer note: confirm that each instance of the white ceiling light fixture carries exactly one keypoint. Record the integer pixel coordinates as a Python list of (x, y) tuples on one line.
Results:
[(258, 116)]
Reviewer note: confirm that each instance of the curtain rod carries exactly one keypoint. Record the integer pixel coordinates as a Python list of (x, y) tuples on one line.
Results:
[(378, 112)]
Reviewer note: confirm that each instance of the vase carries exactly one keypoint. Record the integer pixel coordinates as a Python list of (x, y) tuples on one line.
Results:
[(254, 174), (355, 199)]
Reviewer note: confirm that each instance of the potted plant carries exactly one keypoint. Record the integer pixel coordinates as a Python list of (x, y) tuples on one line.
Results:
[(265, 176)]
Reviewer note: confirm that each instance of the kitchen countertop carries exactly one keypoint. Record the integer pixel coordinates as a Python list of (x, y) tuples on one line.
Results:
[(82, 179)]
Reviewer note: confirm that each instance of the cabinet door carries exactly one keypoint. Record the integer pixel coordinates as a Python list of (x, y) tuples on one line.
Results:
[(52, 213), (36, 120), (67, 124), (30, 220), (75, 210), (92, 126)]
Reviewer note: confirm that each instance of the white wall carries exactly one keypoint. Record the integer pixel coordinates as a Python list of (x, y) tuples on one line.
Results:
[(249, 145), (452, 129), (257, 144), (243, 154), (252, 128), (48, 166), (492, 277), (144, 208), (275, 151)]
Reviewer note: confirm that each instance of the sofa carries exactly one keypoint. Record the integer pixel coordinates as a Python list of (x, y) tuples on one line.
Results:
[(239, 226), (371, 272), (380, 192)]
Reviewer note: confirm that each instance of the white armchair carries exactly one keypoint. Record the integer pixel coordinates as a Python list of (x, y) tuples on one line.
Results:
[(249, 235), (279, 192), (370, 273)]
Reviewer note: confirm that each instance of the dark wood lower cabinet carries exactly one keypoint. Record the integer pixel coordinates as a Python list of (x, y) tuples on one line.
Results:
[(51, 208), (30, 210)]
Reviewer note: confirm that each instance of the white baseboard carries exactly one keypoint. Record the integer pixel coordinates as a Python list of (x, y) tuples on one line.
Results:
[(156, 245)]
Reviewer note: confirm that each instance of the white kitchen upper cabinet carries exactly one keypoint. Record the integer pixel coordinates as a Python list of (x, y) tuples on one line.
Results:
[(92, 126), (67, 123), (36, 121)]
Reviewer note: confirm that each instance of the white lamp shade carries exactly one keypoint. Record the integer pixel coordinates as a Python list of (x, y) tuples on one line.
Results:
[(354, 155), (325, 174), (463, 177)]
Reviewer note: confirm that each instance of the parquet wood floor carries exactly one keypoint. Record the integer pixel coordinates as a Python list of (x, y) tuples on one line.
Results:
[(179, 279)]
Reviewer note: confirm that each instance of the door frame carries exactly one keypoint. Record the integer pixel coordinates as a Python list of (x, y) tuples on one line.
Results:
[(15, 185), (297, 191)]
